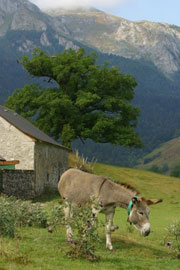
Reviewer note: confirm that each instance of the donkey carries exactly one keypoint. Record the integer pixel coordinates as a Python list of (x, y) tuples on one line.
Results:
[(79, 187)]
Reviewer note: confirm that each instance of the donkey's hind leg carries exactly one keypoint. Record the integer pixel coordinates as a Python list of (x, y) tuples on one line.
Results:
[(68, 214)]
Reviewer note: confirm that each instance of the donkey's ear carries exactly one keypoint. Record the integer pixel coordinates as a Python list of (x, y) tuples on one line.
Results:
[(153, 201)]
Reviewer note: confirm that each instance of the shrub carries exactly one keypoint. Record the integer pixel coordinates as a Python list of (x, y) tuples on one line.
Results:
[(29, 214), (56, 217), (172, 239), (17, 213), (155, 168), (7, 217), (165, 168), (175, 171), (85, 229)]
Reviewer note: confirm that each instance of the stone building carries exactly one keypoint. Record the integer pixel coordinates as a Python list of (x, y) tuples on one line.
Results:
[(41, 159)]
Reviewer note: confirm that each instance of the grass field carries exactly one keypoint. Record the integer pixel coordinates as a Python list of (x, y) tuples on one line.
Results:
[(36, 249)]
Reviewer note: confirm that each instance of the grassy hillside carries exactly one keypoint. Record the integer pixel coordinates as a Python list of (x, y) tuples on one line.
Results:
[(167, 153), (35, 249)]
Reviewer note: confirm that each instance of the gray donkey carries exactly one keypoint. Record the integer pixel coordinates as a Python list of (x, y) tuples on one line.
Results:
[(79, 187)]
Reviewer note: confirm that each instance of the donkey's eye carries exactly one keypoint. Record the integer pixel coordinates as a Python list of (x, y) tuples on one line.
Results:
[(140, 213)]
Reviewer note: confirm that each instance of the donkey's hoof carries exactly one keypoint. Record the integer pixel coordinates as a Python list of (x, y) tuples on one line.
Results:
[(69, 241), (114, 228), (110, 247)]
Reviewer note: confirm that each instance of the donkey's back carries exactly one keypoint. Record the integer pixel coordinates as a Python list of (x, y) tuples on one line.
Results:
[(78, 186)]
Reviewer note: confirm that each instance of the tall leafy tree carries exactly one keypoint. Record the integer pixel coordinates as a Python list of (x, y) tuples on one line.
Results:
[(84, 100)]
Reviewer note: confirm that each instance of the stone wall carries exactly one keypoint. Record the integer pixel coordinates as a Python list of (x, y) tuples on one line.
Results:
[(50, 162), (18, 183), (1, 181)]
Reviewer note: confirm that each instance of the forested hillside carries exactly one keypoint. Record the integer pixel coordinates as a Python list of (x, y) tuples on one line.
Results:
[(158, 99)]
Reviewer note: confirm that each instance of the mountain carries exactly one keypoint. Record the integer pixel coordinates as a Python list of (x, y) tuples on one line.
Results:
[(22, 28), (148, 51), (158, 43), (155, 42), (22, 15)]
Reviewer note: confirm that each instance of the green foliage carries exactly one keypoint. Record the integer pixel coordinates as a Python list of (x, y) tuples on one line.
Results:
[(67, 135), (155, 168), (17, 213), (175, 171), (7, 217), (55, 218), (89, 101), (172, 239), (84, 225), (165, 168), (159, 169), (29, 214)]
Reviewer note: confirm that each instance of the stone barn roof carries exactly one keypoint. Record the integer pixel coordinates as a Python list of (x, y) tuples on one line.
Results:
[(26, 127)]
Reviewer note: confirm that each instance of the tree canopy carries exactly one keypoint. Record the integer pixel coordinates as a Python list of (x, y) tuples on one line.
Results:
[(83, 100)]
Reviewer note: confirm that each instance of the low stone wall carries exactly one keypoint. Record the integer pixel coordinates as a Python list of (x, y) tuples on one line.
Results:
[(1, 181), (18, 183)]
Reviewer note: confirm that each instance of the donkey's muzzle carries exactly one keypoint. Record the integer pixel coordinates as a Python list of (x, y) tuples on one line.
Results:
[(146, 233), (146, 230)]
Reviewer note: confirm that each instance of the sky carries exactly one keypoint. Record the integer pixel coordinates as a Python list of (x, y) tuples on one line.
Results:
[(167, 11)]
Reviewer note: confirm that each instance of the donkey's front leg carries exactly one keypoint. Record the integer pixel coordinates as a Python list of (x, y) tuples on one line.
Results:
[(68, 213), (109, 224)]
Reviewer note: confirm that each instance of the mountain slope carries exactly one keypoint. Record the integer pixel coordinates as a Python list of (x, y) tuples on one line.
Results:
[(167, 154)]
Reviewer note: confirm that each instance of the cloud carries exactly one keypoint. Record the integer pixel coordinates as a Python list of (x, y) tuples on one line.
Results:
[(101, 4)]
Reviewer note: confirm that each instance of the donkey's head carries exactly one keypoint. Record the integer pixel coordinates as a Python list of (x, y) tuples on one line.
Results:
[(138, 213)]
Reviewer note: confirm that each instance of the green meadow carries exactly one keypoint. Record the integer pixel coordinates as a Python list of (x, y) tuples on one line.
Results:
[(37, 249)]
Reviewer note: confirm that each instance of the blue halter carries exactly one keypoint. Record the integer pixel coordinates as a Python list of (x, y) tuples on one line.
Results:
[(130, 205)]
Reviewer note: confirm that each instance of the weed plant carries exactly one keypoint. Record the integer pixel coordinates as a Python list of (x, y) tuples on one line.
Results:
[(84, 225), (17, 213), (82, 163), (29, 214), (172, 239)]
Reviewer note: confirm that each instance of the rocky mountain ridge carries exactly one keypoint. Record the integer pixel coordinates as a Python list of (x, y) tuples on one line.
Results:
[(22, 15), (158, 43)]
